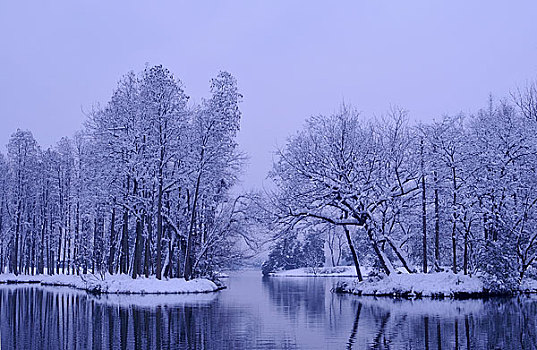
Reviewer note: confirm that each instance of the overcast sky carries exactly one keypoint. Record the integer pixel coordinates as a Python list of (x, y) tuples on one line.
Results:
[(292, 59)]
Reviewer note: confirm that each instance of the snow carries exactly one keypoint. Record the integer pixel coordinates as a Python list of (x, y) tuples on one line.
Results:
[(148, 301), (529, 286), (337, 271), (221, 275), (118, 284), (440, 284), (12, 278), (445, 284)]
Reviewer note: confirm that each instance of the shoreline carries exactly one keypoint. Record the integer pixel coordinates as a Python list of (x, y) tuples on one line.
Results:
[(336, 271), (409, 295), (117, 284), (439, 285)]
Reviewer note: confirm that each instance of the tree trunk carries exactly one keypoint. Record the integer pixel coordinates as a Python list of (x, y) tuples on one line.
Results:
[(98, 242), (33, 250), (147, 261), (436, 224), (59, 249), (124, 251), (66, 247), (85, 239), (69, 238), (94, 250), (168, 269), (15, 258), (138, 244), (466, 236), (21, 251), (353, 253), (162, 143), (400, 255), (454, 245), (454, 228), (159, 227), (124, 256), (384, 262), (77, 235), (42, 252), (112, 254), (188, 259), (423, 211), (181, 257), (52, 260)]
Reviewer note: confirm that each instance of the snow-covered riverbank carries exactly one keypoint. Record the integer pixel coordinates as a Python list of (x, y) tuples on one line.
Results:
[(442, 284), (337, 271), (117, 284), (404, 284)]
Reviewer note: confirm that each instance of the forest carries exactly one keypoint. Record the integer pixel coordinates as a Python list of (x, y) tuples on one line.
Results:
[(146, 188), (142, 189), (457, 194)]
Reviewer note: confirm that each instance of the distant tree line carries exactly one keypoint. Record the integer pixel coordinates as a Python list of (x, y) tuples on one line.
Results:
[(143, 189), (290, 253), (457, 193)]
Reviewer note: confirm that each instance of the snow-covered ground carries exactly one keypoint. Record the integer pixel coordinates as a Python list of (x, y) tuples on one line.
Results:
[(529, 286), (441, 284), (427, 285), (117, 284), (337, 271)]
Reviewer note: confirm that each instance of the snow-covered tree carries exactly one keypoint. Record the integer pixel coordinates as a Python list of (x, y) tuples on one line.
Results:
[(143, 189), (470, 181)]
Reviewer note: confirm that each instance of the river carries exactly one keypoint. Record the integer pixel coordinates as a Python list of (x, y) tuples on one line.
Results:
[(257, 313)]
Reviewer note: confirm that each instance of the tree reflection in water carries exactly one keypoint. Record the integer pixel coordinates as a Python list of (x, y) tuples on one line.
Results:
[(354, 331), (40, 318), (284, 313)]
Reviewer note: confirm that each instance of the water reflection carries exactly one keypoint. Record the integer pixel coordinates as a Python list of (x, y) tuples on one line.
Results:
[(384, 323), (475, 324), (284, 313), (37, 318)]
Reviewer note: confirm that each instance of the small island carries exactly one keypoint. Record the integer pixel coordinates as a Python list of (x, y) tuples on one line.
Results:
[(137, 202), (433, 285), (444, 208), (443, 284), (117, 284)]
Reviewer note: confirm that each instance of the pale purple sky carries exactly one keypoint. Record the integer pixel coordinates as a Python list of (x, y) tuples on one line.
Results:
[(292, 59)]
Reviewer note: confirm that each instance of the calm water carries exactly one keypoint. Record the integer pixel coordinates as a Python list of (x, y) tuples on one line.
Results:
[(256, 313)]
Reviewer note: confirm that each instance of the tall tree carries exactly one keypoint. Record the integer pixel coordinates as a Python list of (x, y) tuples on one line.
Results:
[(22, 154), (164, 110)]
